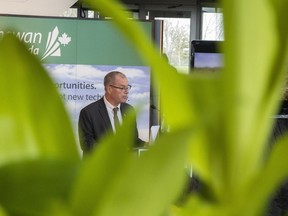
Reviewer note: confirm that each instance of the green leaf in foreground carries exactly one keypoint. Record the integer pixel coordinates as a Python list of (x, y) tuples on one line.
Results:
[(33, 188), (33, 120), (115, 182)]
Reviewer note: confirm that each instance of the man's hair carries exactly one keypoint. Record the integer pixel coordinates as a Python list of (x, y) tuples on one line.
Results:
[(110, 77)]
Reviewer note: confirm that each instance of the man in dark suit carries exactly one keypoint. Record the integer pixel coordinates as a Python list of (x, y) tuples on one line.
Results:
[(101, 117)]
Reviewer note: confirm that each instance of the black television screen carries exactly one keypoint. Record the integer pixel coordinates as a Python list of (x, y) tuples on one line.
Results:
[(206, 54)]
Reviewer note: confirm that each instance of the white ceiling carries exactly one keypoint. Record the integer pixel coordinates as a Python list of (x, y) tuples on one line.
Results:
[(35, 7)]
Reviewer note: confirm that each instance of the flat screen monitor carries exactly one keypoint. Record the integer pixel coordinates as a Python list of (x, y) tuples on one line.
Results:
[(206, 54)]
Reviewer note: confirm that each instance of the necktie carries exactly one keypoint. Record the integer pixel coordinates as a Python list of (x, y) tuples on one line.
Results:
[(116, 120)]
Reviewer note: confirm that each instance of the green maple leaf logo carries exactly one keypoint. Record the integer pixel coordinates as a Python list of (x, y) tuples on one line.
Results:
[(64, 39)]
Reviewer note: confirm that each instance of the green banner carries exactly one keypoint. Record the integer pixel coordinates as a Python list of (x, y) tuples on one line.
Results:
[(73, 41)]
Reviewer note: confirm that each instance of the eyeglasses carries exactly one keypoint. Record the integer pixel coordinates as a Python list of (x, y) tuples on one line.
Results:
[(124, 88)]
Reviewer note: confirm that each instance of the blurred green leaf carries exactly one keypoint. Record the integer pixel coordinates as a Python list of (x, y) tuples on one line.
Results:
[(150, 184), (200, 206), (99, 169), (33, 120), (34, 187), (248, 68), (2, 212), (115, 182), (207, 146)]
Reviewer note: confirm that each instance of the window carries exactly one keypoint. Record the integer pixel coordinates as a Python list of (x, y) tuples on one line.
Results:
[(84, 13), (212, 24), (176, 42), (71, 12)]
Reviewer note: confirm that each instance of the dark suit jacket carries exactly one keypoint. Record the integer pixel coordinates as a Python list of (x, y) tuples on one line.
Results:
[(94, 123)]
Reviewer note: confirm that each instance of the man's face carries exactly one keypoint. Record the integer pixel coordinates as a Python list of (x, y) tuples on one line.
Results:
[(118, 91)]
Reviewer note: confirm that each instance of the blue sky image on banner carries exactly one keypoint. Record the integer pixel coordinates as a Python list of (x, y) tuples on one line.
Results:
[(80, 85)]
